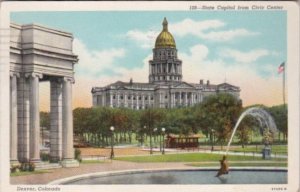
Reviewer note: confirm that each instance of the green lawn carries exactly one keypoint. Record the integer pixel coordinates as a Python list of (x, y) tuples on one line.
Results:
[(239, 164), (187, 157), (280, 149)]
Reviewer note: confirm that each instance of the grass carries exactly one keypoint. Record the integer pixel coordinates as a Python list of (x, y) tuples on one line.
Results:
[(281, 149), (239, 164), (22, 173), (188, 157)]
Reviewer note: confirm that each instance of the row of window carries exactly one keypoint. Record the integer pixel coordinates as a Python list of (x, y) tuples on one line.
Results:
[(146, 98), (133, 97), (166, 78)]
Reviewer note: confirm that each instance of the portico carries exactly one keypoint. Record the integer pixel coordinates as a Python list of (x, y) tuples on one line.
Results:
[(41, 54)]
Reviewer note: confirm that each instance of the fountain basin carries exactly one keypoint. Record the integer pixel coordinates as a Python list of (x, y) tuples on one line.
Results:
[(237, 175)]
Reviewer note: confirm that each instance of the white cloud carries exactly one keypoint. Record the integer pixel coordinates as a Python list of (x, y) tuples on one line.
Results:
[(144, 39), (94, 62), (226, 35), (189, 26), (208, 29), (254, 88), (244, 57)]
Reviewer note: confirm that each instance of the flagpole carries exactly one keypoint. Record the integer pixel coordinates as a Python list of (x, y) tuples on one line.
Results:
[(283, 84)]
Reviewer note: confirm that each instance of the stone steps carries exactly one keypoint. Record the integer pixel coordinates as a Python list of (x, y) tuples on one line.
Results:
[(44, 166)]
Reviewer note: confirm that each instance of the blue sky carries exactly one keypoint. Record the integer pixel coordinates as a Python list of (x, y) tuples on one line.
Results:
[(214, 45)]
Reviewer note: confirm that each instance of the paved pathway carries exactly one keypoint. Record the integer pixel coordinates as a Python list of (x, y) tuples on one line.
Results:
[(55, 174)]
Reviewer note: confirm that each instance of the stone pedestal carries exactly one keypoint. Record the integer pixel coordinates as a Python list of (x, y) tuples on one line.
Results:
[(70, 163)]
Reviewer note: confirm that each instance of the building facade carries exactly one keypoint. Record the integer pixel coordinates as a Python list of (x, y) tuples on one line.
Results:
[(165, 89)]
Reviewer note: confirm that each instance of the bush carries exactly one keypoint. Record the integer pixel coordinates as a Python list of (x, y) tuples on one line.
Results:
[(78, 154), (31, 167), (27, 167), (14, 168)]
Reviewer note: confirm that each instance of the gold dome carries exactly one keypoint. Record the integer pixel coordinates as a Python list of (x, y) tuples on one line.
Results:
[(165, 38)]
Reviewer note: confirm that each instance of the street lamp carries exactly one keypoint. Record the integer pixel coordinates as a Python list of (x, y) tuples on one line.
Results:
[(163, 134), (112, 154), (143, 132), (213, 139), (155, 135)]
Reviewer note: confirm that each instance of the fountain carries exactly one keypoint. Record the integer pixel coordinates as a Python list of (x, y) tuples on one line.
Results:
[(264, 118)]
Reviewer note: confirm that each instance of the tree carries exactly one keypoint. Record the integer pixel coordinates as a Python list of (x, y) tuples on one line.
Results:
[(280, 116), (218, 113)]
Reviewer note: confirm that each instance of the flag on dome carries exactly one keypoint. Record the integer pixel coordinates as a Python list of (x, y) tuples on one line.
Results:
[(281, 68)]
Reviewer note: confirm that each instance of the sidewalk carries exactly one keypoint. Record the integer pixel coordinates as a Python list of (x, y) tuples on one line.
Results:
[(114, 165)]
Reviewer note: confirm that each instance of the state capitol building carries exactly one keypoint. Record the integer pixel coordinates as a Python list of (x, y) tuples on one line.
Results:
[(165, 89)]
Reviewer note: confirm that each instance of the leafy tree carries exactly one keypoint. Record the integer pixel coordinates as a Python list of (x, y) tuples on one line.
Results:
[(280, 116), (218, 114)]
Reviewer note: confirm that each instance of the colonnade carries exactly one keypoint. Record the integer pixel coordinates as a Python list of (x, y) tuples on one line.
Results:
[(25, 118)]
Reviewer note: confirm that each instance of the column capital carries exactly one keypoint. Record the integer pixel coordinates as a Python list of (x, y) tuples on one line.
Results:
[(34, 74), (13, 73), (71, 79)]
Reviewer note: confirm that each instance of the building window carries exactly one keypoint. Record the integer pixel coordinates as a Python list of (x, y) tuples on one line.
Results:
[(146, 98), (129, 97), (114, 97), (121, 96), (166, 96), (151, 97), (134, 98), (140, 98)]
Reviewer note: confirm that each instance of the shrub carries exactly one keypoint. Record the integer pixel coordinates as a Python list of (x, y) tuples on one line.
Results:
[(14, 168), (31, 166), (77, 154)]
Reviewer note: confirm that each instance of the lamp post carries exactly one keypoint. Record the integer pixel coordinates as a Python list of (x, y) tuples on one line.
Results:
[(155, 135), (160, 141), (151, 152), (112, 154), (213, 139), (163, 140)]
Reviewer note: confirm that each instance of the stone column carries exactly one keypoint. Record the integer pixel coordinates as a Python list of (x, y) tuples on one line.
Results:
[(118, 99), (110, 99), (55, 120), (160, 100), (67, 117), (143, 101), (125, 100), (13, 119), (185, 98), (34, 140), (137, 102), (172, 100), (132, 95), (23, 118), (180, 94)]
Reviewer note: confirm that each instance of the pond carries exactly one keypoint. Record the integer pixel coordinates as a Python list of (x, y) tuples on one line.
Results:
[(185, 177)]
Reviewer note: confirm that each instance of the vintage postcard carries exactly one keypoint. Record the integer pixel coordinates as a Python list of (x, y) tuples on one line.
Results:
[(143, 96)]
